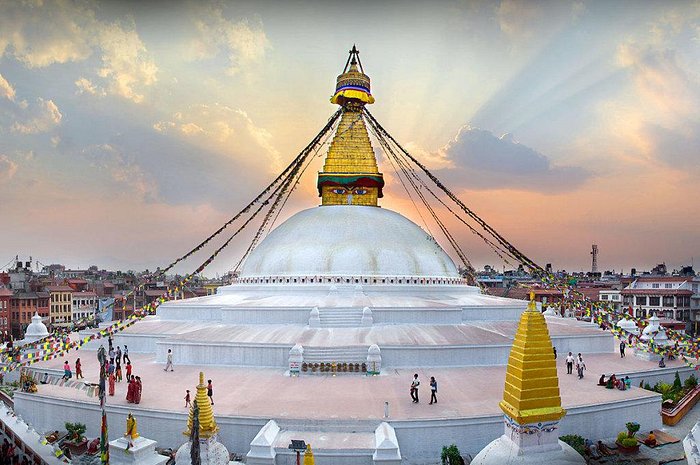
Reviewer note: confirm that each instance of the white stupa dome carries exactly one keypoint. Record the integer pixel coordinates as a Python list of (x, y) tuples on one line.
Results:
[(349, 240), (628, 326), (212, 452), (36, 329)]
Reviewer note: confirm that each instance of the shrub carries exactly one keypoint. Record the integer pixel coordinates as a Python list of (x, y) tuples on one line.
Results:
[(75, 431), (632, 428), (677, 385), (575, 441), (621, 436), (691, 382), (450, 455), (647, 387), (629, 442), (666, 390)]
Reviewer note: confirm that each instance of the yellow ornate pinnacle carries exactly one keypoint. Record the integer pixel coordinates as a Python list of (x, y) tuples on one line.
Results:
[(350, 174), (207, 424), (531, 393)]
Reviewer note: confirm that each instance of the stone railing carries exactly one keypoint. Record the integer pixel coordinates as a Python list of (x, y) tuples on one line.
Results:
[(360, 279), (371, 365)]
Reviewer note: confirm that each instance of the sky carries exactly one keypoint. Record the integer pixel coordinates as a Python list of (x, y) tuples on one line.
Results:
[(129, 131)]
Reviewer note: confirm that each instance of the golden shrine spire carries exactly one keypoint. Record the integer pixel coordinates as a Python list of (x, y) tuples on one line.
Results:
[(207, 424), (531, 393), (350, 174)]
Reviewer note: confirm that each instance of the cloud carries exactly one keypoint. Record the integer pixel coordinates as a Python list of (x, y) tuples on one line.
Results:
[(125, 62), (40, 34), (477, 159), (8, 168), (122, 170), (523, 20), (222, 129), (85, 86), (243, 42), (24, 117), (6, 89)]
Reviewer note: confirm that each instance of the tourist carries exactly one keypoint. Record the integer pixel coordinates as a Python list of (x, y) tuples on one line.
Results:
[(126, 354), (650, 440), (580, 366), (414, 388), (111, 384), (137, 390), (66, 371), (555, 352), (130, 389), (169, 362), (569, 363), (112, 354), (622, 349), (78, 369), (109, 341), (628, 383), (119, 353), (187, 399), (433, 390), (128, 370), (601, 381), (662, 364), (210, 391), (118, 373), (110, 368)]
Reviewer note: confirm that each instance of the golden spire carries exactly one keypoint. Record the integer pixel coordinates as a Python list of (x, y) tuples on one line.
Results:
[(207, 424), (531, 393), (350, 174)]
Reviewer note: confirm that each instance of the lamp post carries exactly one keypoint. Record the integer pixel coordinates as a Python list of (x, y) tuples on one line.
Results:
[(298, 446)]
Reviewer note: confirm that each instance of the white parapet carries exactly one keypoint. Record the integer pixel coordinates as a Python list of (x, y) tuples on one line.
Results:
[(314, 318), (296, 358), (387, 451), (142, 451), (262, 451), (374, 360), (367, 318)]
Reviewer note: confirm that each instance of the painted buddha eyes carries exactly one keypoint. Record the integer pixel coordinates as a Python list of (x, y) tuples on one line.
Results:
[(355, 191)]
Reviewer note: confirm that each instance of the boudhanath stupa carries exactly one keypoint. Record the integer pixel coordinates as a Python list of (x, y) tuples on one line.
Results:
[(319, 338)]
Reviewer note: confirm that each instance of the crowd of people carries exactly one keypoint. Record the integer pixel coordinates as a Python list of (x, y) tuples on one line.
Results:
[(10, 456)]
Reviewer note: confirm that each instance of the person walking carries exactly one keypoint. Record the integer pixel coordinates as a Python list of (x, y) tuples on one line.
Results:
[(414, 388), (187, 399), (555, 352), (128, 371), (138, 389), (433, 390), (580, 366), (169, 362), (66, 371), (119, 353), (118, 372), (112, 354), (622, 349), (210, 391), (111, 384), (569, 363), (78, 369), (126, 354)]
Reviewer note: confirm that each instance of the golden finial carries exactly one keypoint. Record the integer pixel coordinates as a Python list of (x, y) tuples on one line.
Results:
[(207, 424), (532, 305)]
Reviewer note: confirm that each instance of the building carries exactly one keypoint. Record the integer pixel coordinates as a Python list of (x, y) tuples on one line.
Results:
[(84, 305), (612, 297), (5, 321), (23, 305), (61, 304), (666, 296)]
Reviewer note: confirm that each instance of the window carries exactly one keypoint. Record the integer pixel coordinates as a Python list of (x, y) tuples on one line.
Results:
[(668, 301), (641, 299), (655, 285), (668, 286), (654, 301)]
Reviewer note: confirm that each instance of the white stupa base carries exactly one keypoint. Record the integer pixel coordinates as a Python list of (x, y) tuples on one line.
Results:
[(503, 450), (646, 355), (140, 451)]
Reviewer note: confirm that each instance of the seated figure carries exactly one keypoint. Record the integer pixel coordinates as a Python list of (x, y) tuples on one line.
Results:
[(650, 440)]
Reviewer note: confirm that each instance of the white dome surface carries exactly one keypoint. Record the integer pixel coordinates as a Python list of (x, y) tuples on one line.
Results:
[(36, 329), (348, 240)]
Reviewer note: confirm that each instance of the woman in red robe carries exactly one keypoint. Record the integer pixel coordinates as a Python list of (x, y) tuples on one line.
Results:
[(137, 390), (111, 384), (130, 391)]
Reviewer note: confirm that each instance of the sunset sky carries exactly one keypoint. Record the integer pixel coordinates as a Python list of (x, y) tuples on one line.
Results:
[(129, 131)]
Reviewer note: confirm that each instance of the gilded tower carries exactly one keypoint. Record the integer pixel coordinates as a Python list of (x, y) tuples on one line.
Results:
[(350, 174)]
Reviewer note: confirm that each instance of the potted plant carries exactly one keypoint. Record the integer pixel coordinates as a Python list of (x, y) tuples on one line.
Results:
[(76, 442), (626, 441)]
